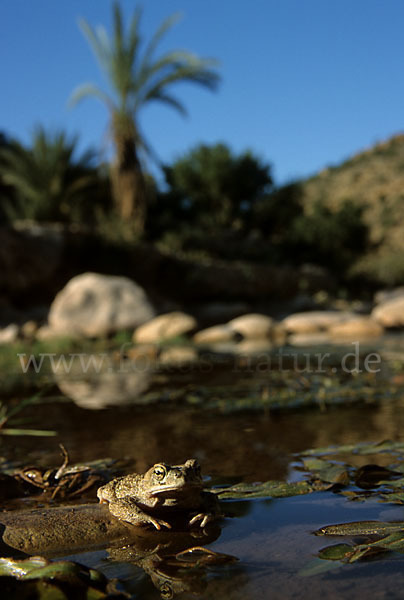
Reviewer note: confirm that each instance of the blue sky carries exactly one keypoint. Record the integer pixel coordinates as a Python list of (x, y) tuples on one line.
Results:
[(305, 83)]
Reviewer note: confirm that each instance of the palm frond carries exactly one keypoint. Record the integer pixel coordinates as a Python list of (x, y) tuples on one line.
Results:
[(133, 35), (98, 40), (167, 24), (194, 70), (118, 41), (170, 100), (47, 176), (89, 89)]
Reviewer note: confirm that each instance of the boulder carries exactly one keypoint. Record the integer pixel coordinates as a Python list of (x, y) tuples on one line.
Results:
[(46, 333), (93, 305), (252, 326), (29, 329), (361, 327), (385, 295), (9, 334), (390, 313), (164, 327), (217, 334), (315, 321)]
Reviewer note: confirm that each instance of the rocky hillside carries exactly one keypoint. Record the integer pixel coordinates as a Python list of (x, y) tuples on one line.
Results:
[(373, 178)]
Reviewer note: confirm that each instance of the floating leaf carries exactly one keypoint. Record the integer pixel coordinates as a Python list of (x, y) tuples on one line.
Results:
[(395, 483), (269, 489), (327, 471), (336, 552), (394, 497), (361, 528)]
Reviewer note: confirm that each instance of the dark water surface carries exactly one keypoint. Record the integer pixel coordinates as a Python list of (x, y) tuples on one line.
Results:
[(246, 446)]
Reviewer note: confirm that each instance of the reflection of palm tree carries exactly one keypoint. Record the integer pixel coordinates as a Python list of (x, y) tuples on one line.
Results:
[(136, 80), (49, 182)]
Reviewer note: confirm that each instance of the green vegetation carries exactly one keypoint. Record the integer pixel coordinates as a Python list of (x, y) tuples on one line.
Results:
[(373, 180), (137, 79), (46, 182), (333, 239)]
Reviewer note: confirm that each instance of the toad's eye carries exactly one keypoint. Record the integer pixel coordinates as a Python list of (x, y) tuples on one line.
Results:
[(159, 472)]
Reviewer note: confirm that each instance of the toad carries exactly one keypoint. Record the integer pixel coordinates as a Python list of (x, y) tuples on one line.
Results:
[(162, 491)]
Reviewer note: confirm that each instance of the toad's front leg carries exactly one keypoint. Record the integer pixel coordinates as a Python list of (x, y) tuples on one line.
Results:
[(210, 510), (128, 510)]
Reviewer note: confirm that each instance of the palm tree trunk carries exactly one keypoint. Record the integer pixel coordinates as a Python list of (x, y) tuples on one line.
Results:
[(128, 184)]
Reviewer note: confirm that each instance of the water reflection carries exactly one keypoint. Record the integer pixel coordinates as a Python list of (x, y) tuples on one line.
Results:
[(102, 386), (175, 563)]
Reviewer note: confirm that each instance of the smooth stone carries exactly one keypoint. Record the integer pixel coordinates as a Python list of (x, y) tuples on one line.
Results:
[(315, 321), (216, 334), (252, 326), (46, 333), (49, 530), (390, 313), (9, 334), (94, 305), (386, 295), (29, 329), (360, 327), (164, 327)]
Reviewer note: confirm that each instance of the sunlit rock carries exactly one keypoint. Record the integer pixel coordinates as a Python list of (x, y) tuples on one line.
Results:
[(386, 295), (315, 320), (390, 313), (9, 334), (93, 305), (46, 333), (361, 327), (165, 326), (29, 329), (252, 325), (215, 335)]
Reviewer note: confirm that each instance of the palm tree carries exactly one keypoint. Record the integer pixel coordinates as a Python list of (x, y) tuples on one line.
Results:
[(136, 78), (48, 181)]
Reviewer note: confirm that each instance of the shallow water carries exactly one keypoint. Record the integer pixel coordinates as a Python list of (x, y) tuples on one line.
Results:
[(272, 539), (274, 543)]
